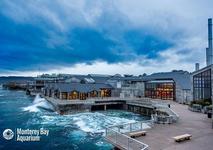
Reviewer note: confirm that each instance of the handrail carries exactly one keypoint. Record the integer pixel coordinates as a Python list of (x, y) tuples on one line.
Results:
[(145, 121), (172, 116), (174, 112), (170, 112), (125, 141)]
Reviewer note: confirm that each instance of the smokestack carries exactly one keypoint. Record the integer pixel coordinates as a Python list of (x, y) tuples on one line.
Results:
[(209, 51), (210, 32), (197, 66)]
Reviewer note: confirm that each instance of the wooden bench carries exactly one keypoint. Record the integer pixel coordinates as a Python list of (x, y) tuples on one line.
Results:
[(137, 134), (182, 137)]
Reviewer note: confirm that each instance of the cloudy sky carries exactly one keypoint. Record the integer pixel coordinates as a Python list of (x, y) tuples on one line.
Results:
[(102, 36)]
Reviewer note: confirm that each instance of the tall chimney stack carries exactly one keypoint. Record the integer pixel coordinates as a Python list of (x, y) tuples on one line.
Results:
[(209, 51), (197, 66)]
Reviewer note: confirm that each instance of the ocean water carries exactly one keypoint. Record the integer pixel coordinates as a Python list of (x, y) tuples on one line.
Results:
[(82, 131)]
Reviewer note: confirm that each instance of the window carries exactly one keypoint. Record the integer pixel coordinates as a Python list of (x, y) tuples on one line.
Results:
[(105, 92), (202, 85), (73, 95), (161, 90)]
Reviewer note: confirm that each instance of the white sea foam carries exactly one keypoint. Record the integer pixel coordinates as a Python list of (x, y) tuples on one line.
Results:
[(97, 122), (91, 122), (37, 104)]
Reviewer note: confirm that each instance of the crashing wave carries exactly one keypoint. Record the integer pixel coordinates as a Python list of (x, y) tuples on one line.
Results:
[(91, 122), (37, 104)]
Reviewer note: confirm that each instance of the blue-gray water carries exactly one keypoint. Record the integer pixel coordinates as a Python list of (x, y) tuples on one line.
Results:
[(82, 131)]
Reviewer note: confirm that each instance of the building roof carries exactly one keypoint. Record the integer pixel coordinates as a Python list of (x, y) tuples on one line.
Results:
[(182, 78), (132, 78), (83, 88), (202, 69), (88, 78), (99, 79), (161, 81)]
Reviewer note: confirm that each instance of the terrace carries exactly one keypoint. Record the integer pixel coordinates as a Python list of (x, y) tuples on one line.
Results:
[(160, 136)]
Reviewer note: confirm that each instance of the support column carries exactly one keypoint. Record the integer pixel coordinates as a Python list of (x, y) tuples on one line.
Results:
[(60, 95)]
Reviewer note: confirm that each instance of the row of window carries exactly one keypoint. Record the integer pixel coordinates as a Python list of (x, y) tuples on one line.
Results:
[(202, 85), (160, 90), (159, 85)]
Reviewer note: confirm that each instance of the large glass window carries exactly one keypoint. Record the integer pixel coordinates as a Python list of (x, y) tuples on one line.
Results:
[(160, 90), (105, 92), (202, 85), (73, 95)]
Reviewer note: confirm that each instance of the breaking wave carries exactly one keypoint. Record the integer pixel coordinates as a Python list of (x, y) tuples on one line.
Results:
[(38, 104), (97, 122), (89, 122), (92, 122)]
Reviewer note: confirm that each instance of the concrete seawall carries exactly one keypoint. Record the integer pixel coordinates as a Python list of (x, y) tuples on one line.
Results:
[(73, 106)]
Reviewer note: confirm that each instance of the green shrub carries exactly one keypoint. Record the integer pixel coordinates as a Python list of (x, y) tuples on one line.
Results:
[(209, 108), (205, 102)]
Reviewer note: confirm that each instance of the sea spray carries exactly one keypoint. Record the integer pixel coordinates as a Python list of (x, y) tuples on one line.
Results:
[(37, 104), (92, 122)]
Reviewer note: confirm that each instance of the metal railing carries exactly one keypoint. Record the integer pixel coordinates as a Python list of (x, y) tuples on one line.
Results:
[(135, 126), (117, 135), (162, 119), (142, 102), (169, 118), (149, 101), (124, 141)]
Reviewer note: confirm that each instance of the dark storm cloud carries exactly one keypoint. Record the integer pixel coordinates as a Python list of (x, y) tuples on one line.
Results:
[(49, 34), (37, 44)]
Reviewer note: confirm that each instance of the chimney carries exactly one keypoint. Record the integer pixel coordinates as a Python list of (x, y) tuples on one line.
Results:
[(197, 66), (209, 51)]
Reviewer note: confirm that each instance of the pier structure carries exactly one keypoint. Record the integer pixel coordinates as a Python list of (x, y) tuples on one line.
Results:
[(64, 106), (158, 110)]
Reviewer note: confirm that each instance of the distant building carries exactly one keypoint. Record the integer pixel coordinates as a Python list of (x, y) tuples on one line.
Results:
[(129, 86)]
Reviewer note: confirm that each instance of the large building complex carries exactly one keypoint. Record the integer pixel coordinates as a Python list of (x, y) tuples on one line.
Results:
[(173, 86)]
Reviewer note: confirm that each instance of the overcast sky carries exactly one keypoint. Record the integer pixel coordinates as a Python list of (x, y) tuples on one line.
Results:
[(102, 36)]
